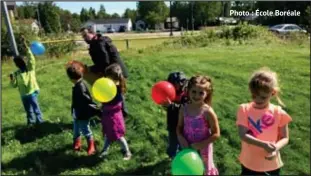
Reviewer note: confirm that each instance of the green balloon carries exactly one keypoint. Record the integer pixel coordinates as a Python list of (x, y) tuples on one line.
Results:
[(187, 162)]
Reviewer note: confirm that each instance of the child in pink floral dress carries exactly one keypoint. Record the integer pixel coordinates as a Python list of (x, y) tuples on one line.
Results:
[(198, 125)]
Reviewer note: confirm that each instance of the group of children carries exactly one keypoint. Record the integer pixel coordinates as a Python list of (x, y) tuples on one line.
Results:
[(84, 108), (191, 120), (262, 126)]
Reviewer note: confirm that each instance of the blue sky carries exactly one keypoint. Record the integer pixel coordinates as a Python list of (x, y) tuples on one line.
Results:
[(111, 7)]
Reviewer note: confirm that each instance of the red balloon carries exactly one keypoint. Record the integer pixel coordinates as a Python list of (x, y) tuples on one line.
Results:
[(162, 91)]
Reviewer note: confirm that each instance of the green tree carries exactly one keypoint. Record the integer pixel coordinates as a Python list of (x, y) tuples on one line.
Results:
[(84, 15), (132, 14), (101, 14), (181, 11), (308, 18), (49, 17), (206, 12), (115, 15), (153, 18), (65, 19), (92, 13), (27, 10), (227, 8), (75, 23), (308, 15), (152, 12), (20, 12)]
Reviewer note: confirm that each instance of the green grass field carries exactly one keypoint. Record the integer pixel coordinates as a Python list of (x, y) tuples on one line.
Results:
[(47, 149), (139, 43)]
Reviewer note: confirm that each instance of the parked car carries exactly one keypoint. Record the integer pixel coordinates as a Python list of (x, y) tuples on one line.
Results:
[(122, 29), (111, 30), (226, 20), (286, 28)]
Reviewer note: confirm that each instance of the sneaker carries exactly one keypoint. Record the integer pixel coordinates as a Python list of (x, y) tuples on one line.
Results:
[(127, 156), (103, 154)]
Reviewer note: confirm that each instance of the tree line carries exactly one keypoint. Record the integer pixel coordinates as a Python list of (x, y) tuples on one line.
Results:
[(190, 14)]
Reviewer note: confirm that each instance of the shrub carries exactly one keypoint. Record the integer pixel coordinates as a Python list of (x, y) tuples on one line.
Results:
[(244, 31), (299, 38), (241, 34), (6, 50), (60, 44), (53, 49), (225, 32)]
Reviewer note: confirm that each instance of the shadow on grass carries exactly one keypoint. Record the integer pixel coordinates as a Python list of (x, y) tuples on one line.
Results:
[(26, 134), (160, 168), (51, 163)]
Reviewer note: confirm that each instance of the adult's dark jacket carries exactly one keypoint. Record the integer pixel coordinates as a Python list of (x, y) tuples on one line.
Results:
[(82, 102), (104, 53)]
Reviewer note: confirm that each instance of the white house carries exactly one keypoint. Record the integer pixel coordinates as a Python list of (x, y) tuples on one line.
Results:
[(30, 24), (103, 25)]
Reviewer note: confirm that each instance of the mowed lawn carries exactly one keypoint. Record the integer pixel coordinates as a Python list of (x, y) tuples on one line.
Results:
[(139, 43), (47, 149)]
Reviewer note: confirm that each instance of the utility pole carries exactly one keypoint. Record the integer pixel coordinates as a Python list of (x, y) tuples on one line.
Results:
[(284, 8), (9, 27), (223, 4), (171, 21), (38, 15), (187, 24), (192, 19)]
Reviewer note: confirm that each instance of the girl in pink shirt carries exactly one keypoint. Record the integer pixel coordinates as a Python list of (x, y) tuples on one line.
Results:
[(197, 125), (262, 126)]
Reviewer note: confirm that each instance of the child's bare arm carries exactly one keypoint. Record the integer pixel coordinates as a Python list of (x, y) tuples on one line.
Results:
[(213, 121), (179, 130), (30, 58), (13, 80), (284, 134), (269, 147)]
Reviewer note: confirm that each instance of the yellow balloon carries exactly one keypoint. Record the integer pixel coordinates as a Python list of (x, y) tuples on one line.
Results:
[(104, 90)]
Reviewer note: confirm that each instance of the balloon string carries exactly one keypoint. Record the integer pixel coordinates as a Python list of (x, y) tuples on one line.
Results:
[(55, 41)]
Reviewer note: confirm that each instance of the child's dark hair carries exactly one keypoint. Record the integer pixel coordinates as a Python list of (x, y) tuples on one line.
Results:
[(178, 78), (206, 83), (89, 29), (74, 70), (114, 72), (20, 63)]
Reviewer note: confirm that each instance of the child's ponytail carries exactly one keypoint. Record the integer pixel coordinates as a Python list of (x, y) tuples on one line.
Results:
[(122, 83), (278, 98), (114, 71)]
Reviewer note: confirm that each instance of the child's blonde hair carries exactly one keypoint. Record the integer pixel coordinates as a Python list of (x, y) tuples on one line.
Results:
[(206, 83), (265, 80)]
